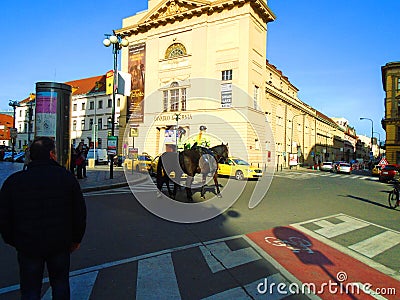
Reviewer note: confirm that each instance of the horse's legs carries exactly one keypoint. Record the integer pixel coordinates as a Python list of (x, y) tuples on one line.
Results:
[(215, 176), (203, 184), (189, 181)]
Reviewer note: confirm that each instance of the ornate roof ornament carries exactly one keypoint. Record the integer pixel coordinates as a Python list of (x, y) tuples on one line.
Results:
[(173, 9)]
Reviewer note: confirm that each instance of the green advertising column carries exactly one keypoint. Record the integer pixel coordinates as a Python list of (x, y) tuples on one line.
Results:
[(52, 117)]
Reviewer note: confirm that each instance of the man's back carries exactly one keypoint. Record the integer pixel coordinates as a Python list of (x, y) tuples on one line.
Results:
[(48, 208)]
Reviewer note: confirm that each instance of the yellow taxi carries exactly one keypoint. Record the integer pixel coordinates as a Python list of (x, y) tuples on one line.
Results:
[(154, 163), (238, 168), (143, 163), (376, 170)]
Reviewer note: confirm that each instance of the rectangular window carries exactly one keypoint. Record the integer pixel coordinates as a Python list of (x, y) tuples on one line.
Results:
[(398, 84), (174, 99), (109, 103), (100, 124), (90, 124), (183, 99), (83, 125), (74, 125), (165, 101), (91, 105), (74, 107), (227, 75), (118, 102), (83, 106), (100, 104), (255, 96), (398, 109)]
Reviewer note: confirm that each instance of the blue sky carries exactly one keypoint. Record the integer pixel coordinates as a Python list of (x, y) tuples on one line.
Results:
[(331, 51)]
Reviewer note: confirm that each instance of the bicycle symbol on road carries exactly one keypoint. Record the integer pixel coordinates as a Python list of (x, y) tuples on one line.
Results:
[(294, 243)]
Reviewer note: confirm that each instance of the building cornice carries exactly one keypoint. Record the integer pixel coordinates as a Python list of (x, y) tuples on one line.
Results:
[(171, 11)]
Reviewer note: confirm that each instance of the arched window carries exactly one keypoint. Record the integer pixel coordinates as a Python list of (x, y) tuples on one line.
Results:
[(175, 50)]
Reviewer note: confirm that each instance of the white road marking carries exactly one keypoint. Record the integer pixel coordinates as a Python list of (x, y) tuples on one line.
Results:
[(220, 257), (330, 230), (373, 264), (156, 278), (377, 244)]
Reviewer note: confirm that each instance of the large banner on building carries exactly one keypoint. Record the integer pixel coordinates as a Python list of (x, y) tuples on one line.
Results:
[(136, 67)]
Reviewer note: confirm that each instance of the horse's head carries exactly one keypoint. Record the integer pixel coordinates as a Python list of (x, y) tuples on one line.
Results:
[(221, 151)]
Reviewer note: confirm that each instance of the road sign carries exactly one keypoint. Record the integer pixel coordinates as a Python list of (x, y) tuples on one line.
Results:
[(134, 132), (383, 162)]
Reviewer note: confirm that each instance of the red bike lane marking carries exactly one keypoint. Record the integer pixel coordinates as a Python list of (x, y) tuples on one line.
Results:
[(312, 261)]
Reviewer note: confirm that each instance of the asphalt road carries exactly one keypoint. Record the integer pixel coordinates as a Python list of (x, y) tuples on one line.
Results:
[(130, 253)]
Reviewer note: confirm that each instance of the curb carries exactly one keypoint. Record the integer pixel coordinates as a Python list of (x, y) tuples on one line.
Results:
[(111, 186)]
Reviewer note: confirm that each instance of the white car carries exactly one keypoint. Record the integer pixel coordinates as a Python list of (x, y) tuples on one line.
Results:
[(344, 168), (101, 156), (326, 166)]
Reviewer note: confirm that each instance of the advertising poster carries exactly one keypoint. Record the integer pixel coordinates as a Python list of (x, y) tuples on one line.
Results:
[(136, 67), (46, 114), (292, 159), (170, 137), (112, 144), (226, 95)]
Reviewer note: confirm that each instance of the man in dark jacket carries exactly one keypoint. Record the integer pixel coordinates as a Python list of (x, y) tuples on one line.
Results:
[(43, 215)]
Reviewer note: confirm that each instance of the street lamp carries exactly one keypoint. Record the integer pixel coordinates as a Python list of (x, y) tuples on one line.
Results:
[(30, 115), (14, 104), (177, 117), (117, 43), (372, 130)]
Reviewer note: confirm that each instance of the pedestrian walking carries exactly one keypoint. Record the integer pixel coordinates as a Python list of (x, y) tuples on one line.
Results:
[(81, 154), (27, 159), (72, 164), (43, 216)]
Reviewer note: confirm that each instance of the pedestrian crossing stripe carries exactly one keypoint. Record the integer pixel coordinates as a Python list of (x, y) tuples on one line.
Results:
[(308, 175), (364, 250), (303, 247)]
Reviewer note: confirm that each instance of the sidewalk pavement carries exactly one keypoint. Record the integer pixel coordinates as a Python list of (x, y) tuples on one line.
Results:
[(98, 178)]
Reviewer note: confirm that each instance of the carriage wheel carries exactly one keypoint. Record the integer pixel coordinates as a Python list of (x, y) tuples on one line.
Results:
[(239, 175), (393, 198)]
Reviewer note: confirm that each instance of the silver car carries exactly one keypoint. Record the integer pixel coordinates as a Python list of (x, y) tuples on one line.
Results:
[(344, 168)]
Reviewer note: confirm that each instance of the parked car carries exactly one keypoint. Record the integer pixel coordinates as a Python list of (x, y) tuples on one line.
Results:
[(153, 167), (343, 168), (326, 166), (376, 170), (100, 156), (238, 168), (388, 172)]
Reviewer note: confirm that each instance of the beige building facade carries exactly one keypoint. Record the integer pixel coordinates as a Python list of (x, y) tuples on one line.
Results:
[(391, 121), (202, 64), (200, 74)]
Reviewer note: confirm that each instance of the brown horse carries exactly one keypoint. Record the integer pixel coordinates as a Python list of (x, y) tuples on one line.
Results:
[(197, 160)]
